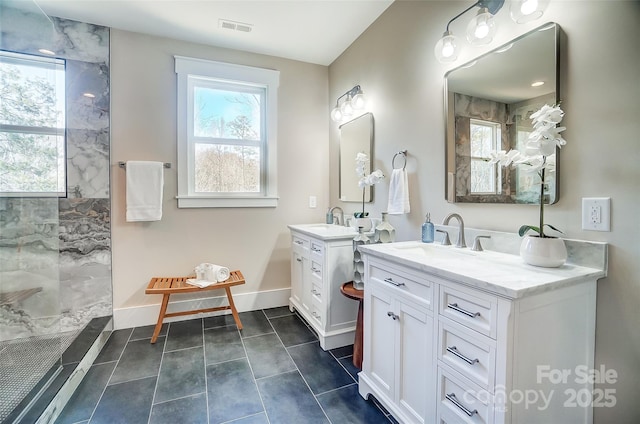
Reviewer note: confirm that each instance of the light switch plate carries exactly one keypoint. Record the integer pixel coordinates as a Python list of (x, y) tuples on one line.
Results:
[(313, 201), (596, 213)]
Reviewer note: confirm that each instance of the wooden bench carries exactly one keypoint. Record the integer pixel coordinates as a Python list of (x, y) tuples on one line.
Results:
[(167, 286)]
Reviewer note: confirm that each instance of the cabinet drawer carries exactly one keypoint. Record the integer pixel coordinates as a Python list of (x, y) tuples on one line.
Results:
[(316, 269), (459, 401), (473, 355), (300, 243), (316, 292), (471, 308), (405, 283), (317, 247), (317, 311)]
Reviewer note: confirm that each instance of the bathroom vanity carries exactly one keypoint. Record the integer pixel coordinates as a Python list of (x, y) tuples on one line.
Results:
[(321, 261), (452, 335)]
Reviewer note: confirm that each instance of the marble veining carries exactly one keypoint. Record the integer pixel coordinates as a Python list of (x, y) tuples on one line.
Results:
[(70, 260)]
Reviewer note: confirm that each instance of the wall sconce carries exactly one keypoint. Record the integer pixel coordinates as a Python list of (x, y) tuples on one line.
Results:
[(482, 27), (354, 103)]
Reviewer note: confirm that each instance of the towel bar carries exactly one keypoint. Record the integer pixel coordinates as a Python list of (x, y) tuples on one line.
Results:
[(404, 156), (123, 165)]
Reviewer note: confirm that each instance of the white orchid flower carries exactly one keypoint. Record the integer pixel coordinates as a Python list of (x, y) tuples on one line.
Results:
[(375, 177), (547, 115), (504, 158)]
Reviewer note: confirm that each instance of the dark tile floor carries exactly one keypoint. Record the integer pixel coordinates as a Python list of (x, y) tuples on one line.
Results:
[(206, 371)]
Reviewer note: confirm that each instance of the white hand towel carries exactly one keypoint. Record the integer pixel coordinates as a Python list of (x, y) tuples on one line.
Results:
[(145, 181), (212, 272), (399, 192), (200, 283)]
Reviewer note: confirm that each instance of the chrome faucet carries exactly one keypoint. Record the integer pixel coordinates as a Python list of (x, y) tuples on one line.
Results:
[(460, 242), (330, 215)]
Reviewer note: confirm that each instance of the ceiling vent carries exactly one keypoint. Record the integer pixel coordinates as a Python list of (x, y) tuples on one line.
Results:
[(235, 26)]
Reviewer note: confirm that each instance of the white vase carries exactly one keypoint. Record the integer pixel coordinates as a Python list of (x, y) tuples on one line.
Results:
[(548, 252)]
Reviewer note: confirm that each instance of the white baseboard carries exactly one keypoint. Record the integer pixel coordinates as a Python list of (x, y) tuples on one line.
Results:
[(138, 316)]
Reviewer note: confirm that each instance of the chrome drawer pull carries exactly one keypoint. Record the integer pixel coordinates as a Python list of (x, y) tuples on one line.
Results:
[(298, 242), (455, 307), (315, 269), (315, 249), (390, 281), (451, 397), (392, 315), (454, 350), (298, 259)]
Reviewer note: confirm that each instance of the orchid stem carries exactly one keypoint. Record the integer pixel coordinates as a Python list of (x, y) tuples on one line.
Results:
[(542, 203)]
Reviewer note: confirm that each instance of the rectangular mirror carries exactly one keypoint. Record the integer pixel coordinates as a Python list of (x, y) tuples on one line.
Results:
[(488, 104), (356, 136)]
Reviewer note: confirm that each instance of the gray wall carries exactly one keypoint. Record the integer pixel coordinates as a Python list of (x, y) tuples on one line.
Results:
[(394, 62)]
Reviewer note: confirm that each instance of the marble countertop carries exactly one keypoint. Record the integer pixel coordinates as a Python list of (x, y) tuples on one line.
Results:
[(500, 273), (327, 231)]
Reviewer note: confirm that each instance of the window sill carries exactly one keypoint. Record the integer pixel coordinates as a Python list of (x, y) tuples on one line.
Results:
[(226, 202)]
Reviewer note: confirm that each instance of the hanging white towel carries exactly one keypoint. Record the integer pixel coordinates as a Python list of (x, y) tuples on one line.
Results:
[(399, 192), (145, 181)]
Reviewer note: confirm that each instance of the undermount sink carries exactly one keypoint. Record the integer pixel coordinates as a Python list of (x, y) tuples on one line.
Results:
[(331, 228), (432, 249)]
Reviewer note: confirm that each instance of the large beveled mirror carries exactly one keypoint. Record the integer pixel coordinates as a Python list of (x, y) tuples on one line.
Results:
[(488, 104), (356, 136)]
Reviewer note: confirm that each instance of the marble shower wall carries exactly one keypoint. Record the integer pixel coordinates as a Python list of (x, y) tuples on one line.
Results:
[(467, 108), (82, 235)]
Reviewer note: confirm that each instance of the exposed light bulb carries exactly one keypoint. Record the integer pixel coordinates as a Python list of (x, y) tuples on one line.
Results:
[(528, 7), (523, 11), (47, 52), (336, 115), (358, 102), (346, 108), (537, 83), (447, 49), (481, 28)]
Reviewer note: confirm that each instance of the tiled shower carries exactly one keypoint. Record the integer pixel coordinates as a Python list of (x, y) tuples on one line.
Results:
[(55, 253)]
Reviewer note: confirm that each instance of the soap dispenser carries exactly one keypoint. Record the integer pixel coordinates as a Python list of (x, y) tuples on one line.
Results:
[(427, 230)]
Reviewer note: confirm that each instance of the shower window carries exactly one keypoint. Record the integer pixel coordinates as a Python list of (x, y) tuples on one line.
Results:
[(32, 126), (485, 138)]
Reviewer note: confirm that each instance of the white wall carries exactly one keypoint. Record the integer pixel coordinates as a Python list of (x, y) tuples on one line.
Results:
[(393, 61), (254, 240)]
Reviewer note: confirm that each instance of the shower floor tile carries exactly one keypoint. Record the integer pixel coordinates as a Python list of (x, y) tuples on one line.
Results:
[(205, 371)]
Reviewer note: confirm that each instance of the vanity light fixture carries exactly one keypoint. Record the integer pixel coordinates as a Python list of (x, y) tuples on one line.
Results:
[(482, 27), (523, 11), (355, 102)]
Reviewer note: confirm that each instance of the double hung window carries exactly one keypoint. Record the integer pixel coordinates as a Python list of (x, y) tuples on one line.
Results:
[(226, 134), (32, 126)]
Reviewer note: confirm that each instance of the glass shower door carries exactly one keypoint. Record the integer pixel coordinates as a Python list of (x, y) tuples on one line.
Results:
[(30, 338)]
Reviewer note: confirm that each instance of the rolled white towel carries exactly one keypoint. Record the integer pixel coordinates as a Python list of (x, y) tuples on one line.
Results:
[(212, 272), (219, 273)]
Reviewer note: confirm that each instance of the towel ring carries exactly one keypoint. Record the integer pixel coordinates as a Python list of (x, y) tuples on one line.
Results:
[(404, 156)]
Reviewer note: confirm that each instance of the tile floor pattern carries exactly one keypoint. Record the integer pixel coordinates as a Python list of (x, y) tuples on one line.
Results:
[(206, 371)]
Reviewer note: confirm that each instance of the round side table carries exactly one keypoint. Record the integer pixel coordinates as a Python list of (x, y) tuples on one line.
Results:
[(349, 291)]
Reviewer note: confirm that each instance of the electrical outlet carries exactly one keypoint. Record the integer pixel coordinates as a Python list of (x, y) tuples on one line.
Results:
[(596, 213), (313, 201)]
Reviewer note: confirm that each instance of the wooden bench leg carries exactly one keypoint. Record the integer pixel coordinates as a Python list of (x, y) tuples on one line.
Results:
[(163, 310), (233, 308)]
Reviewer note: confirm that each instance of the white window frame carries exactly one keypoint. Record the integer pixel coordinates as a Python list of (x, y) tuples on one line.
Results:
[(496, 143), (47, 62), (232, 74)]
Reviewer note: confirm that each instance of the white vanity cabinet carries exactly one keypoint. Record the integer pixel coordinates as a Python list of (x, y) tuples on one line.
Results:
[(453, 342), (319, 267), (399, 352)]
